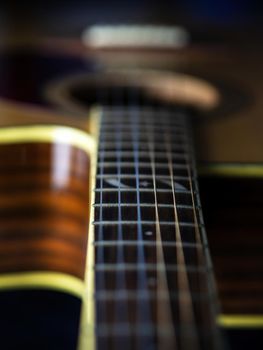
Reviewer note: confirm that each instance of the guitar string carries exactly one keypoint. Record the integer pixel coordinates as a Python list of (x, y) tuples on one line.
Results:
[(137, 189), (120, 275), (186, 316), (100, 277), (102, 99), (121, 306), (164, 315), (101, 309), (143, 313), (200, 262)]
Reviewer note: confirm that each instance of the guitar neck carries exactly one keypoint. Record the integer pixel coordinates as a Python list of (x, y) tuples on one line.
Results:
[(153, 274)]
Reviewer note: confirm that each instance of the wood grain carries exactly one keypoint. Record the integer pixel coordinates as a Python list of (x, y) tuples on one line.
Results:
[(44, 208)]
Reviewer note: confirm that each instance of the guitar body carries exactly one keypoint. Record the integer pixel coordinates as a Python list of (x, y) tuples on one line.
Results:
[(41, 85)]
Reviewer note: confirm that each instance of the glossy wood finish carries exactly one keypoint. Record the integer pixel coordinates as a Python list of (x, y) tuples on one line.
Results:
[(44, 208)]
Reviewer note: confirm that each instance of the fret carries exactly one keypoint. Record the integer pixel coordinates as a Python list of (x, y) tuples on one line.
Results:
[(125, 330), (131, 276), (185, 214), (129, 195), (144, 168), (181, 140), (113, 268), (145, 113), (140, 125), (146, 116), (143, 145), (161, 171), (110, 127), (131, 164), (146, 190), (109, 205), (150, 252), (124, 159), (129, 295), (182, 149), (198, 303), (145, 243), (146, 177), (145, 222), (195, 278), (176, 156), (146, 181), (145, 330), (125, 127), (127, 133)]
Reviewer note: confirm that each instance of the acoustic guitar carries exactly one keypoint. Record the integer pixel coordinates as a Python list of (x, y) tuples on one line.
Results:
[(131, 194)]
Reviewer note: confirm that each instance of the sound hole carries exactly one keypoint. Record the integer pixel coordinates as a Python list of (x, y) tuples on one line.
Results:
[(78, 93), (107, 95), (111, 95)]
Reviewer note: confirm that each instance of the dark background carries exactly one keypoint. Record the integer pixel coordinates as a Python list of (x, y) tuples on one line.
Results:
[(69, 18)]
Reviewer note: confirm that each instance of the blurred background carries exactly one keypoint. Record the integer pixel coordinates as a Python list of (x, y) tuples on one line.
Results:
[(68, 18)]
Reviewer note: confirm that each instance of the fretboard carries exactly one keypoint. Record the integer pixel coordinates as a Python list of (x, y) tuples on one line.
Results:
[(153, 275)]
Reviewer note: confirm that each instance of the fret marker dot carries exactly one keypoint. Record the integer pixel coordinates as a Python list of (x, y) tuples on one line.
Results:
[(148, 233), (144, 183)]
